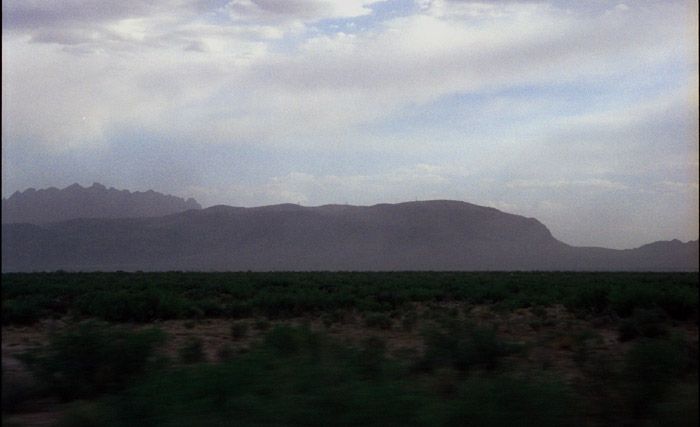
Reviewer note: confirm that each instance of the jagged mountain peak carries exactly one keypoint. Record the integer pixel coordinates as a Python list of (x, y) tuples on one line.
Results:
[(96, 201)]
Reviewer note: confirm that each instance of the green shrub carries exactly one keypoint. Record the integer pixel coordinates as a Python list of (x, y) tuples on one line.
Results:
[(92, 358), (294, 377), (372, 357), (489, 293), (16, 390), (80, 414), (210, 308), (225, 352), (123, 306), (25, 310), (284, 340), (588, 298), (680, 409), (463, 347), (194, 312), (539, 311), (651, 366), (239, 330), (648, 323), (328, 320), (680, 302), (238, 310), (409, 320), (378, 320), (262, 324), (192, 351), (506, 401), (625, 299)]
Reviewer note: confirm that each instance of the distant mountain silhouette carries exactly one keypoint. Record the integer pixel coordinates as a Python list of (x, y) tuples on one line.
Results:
[(431, 235), (52, 205)]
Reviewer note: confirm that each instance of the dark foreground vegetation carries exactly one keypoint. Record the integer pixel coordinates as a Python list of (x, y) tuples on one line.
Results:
[(351, 349)]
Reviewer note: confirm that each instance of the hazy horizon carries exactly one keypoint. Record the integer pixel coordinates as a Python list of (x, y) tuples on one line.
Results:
[(583, 115)]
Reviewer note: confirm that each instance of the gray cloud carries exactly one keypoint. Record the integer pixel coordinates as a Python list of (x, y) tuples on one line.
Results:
[(71, 22), (24, 15)]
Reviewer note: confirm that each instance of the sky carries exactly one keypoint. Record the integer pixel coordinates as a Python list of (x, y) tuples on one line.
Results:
[(582, 114)]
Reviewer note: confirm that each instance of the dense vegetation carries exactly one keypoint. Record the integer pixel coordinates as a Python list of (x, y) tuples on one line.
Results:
[(144, 297), (460, 364)]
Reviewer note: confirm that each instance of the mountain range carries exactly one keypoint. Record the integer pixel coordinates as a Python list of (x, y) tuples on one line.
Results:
[(423, 235), (52, 205)]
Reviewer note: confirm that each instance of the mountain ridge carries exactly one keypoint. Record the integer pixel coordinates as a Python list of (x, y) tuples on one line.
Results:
[(426, 235)]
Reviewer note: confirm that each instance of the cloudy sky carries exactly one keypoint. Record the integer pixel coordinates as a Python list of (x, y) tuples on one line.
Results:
[(583, 114)]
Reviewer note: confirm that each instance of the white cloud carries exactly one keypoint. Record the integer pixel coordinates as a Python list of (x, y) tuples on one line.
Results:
[(501, 205), (602, 184), (340, 80), (420, 181), (404, 183), (682, 187), (481, 10), (656, 135), (296, 10)]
